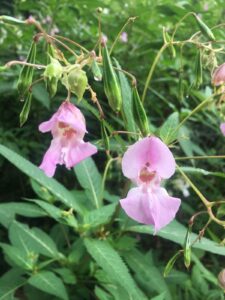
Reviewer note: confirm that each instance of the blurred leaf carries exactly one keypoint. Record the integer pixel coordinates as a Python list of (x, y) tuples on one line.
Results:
[(32, 240), (34, 172), (168, 132), (176, 232), (110, 261), (9, 283), (48, 282), (90, 179)]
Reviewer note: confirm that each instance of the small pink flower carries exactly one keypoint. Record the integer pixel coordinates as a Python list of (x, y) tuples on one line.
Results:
[(218, 77), (124, 37), (222, 128), (146, 163), (68, 128)]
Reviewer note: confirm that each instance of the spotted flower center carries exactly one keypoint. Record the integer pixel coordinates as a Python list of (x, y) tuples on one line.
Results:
[(146, 176), (66, 130)]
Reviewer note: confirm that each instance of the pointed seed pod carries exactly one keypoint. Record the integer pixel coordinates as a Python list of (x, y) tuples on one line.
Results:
[(198, 70), (26, 73), (187, 248), (12, 21), (206, 31), (96, 71), (139, 113), (26, 109), (111, 83), (170, 264)]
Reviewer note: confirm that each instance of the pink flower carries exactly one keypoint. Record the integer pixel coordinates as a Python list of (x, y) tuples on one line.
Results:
[(222, 128), (68, 128), (146, 163), (218, 77), (124, 37)]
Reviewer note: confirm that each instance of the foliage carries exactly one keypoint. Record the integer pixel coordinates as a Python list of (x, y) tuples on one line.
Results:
[(67, 238)]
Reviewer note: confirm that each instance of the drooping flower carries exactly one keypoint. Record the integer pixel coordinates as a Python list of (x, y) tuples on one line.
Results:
[(218, 77), (146, 163), (67, 147), (222, 128)]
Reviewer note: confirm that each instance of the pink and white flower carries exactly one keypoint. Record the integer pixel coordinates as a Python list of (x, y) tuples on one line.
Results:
[(68, 128), (146, 163), (222, 128)]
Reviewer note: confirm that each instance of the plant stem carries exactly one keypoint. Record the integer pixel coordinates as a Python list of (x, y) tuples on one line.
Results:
[(201, 157), (18, 62), (149, 77), (72, 42), (131, 19)]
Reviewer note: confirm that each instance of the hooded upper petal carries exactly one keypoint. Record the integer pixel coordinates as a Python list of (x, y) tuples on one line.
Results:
[(222, 128), (149, 150), (136, 206), (163, 207)]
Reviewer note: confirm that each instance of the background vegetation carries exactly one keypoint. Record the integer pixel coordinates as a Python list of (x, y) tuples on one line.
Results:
[(171, 90)]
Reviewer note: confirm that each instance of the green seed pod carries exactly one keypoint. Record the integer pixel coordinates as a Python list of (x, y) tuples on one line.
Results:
[(26, 73), (52, 74), (139, 113), (206, 31), (12, 21), (187, 248), (26, 109), (198, 70), (111, 84), (105, 137), (77, 82), (96, 71), (170, 264)]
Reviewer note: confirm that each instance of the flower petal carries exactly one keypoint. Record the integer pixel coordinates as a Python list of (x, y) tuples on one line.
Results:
[(148, 150), (219, 75), (51, 158), (48, 125), (163, 207), (136, 206), (161, 158), (222, 128), (77, 152), (71, 115)]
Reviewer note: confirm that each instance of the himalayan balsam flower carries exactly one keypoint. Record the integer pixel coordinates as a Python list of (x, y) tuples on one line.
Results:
[(68, 128), (222, 128), (146, 163), (218, 77)]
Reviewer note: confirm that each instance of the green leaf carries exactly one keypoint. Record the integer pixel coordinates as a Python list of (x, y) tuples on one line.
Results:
[(6, 216), (9, 283), (39, 93), (56, 213), (151, 275), (18, 257), (101, 294), (159, 297), (90, 179), (67, 275), (168, 132), (127, 100), (110, 261), (32, 240), (24, 209), (48, 282), (99, 216), (34, 172), (199, 171), (176, 232)]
